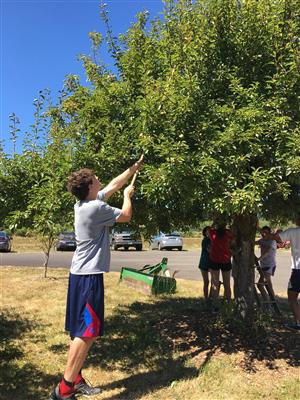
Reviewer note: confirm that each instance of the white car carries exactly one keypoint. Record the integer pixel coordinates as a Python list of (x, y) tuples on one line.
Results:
[(167, 241)]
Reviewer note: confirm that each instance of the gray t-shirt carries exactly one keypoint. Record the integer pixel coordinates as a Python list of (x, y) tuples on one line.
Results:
[(92, 221), (269, 261)]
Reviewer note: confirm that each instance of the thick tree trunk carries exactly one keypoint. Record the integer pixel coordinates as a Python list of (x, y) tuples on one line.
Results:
[(244, 228)]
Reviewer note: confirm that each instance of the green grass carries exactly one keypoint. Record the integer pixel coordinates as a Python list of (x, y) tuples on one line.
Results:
[(22, 244), (30, 244), (162, 348)]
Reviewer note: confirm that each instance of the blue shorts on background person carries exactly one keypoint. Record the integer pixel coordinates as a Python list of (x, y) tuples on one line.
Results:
[(204, 261)]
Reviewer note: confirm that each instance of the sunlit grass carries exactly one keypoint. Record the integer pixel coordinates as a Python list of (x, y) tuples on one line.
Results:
[(168, 347), (33, 244), (29, 244)]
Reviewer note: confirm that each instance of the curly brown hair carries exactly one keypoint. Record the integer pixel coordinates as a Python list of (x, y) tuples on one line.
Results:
[(79, 182)]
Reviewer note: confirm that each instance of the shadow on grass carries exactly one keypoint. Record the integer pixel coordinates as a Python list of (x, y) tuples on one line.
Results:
[(18, 380), (161, 336), (59, 348)]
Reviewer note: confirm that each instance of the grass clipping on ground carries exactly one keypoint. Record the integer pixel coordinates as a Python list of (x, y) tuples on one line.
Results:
[(162, 348)]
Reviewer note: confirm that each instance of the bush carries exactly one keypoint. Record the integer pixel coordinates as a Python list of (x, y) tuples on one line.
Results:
[(21, 232)]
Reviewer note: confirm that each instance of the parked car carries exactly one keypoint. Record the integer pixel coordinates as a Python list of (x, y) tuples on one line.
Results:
[(125, 240), (5, 241), (167, 241), (66, 241)]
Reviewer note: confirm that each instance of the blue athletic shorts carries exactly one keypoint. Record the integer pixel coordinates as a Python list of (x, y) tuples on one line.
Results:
[(85, 306), (269, 270), (294, 282)]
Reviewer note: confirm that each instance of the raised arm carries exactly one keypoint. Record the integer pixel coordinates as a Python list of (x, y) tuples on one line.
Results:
[(273, 236), (127, 205), (118, 182)]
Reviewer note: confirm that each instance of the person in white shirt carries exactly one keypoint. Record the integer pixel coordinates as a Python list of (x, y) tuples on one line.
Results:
[(292, 235)]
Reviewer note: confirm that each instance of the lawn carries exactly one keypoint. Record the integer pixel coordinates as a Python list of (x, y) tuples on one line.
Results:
[(29, 244), (154, 349)]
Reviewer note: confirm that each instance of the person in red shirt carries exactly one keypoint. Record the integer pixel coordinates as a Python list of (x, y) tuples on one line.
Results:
[(220, 259)]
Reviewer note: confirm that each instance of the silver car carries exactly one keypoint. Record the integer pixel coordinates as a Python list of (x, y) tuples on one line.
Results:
[(126, 239), (5, 241), (167, 241)]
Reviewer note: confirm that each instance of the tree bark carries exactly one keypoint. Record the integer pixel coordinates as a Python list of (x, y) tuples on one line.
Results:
[(45, 265), (47, 246), (244, 228)]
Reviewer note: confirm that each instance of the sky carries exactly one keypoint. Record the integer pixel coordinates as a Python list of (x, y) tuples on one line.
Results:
[(40, 43)]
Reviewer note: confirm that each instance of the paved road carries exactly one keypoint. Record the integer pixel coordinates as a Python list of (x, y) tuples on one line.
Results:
[(185, 262)]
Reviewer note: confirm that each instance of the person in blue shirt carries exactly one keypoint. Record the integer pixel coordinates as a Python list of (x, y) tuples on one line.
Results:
[(204, 261)]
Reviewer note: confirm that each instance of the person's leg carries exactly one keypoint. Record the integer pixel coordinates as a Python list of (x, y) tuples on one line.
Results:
[(268, 280), (234, 273), (205, 283), (78, 351), (294, 305), (85, 322), (73, 383), (215, 283), (293, 293), (261, 287), (226, 282)]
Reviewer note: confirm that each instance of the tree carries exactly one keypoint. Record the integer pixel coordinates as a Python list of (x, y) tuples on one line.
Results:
[(49, 208), (20, 172), (34, 189), (14, 122)]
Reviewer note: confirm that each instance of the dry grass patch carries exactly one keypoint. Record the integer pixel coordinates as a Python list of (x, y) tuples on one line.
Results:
[(33, 244), (192, 243), (154, 348), (30, 244)]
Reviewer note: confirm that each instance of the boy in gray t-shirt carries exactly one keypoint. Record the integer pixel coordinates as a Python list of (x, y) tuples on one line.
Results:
[(92, 221), (85, 301)]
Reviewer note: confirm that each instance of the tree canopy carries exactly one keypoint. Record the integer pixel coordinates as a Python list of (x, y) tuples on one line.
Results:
[(210, 93)]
